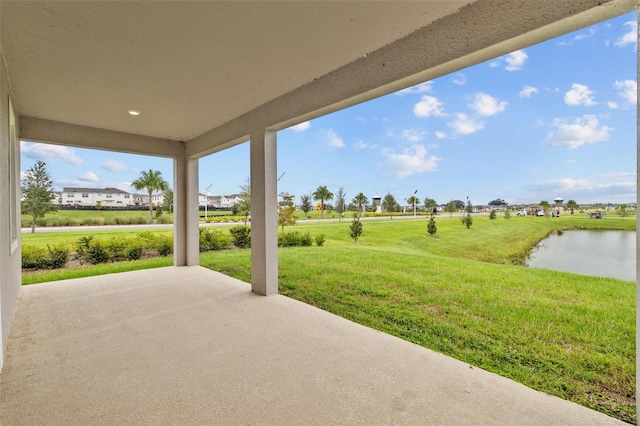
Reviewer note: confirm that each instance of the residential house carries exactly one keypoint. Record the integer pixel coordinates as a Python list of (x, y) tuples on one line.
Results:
[(91, 197)]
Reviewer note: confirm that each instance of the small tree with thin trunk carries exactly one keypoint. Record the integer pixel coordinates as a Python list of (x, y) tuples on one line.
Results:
[(492, 215), (305, 204), (341, 205), (151, 181), (355, 230), (431, 226), (37, 192)]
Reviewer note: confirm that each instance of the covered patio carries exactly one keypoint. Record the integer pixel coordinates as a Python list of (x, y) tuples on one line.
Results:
[(186, 345)]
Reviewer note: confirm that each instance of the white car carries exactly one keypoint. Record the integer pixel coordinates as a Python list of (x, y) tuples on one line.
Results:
[(540, 213), (522, 212)]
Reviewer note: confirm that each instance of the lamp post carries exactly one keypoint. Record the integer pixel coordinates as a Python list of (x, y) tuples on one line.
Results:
[(414, 202), (206, 202)]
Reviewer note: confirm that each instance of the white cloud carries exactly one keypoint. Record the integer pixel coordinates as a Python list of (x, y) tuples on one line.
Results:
[(116, 166), (618, 175), (300, 127), (412, 135), (459, 79), (360, 144), (419, 88), (582, 131), (527, 91), (612, 105), (412, 160), (89, 177), (333, 139), (494, 64), (582, 36), (487, 105), (441, 135), (515, 60), (587, 190), (630, 37), (579, 95), (428, 106), (465, 125), (628, 90), (46, 152)]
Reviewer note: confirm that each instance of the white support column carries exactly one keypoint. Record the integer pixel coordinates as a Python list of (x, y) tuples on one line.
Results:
[(186, 248), (264, 213)]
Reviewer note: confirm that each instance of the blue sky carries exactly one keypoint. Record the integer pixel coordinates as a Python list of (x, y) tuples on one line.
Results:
[(557, 118)]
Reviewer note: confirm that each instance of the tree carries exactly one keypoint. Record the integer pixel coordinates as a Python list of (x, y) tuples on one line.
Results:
[(413, 200), (389, 203), (286, 216), (545, 206), (37, 190), (492, 215), (430, 204), (498, 202), (467, 220), (98, 205), (459, 204), (507, 213), (341, 205), (244, 206), (451, 207), (322, 194), (305, 204), (431, 226), (469, 207), (151, 181), (167, 202), (622, 208), (572, 205), (355, 230), (360, 200), (287, 198)]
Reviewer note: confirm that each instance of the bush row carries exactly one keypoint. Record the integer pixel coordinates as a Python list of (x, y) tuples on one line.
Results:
[(224, 219), (53, 221), (116, 249)]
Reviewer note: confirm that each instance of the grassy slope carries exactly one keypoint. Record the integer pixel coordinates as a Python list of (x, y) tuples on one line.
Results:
[(460, 294)]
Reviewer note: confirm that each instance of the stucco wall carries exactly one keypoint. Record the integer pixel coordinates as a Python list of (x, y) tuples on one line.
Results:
[(10, 260)]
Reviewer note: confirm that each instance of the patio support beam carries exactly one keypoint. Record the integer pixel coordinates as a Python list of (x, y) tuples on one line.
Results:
[(185, 206), (264, 212)]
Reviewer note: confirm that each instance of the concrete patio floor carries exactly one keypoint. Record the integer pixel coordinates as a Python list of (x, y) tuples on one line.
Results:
[(190, 346)]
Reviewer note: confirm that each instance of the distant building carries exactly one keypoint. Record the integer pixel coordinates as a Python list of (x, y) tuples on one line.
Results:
[(90, 197)]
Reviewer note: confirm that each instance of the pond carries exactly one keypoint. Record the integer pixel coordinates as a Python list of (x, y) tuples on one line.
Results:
[(600, 253)]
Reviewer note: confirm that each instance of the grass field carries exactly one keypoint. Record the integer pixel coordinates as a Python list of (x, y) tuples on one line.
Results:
[(464, 293)]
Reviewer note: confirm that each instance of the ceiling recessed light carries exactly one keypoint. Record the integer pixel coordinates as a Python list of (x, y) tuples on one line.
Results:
[(133, 112)]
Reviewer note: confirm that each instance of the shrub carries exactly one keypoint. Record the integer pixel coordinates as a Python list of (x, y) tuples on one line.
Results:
[(133, 250), (58, 256), (355, 229), (431, 226), (305, 240), (34, 257), (165, 245), (241, 236), (211, 239), (164, 220), (83, 244), (320, 240), (96, 253), (117, 247)]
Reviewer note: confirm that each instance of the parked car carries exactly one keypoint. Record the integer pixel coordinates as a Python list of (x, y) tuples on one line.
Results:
[(522, 212), (539, 212), (595, 215)]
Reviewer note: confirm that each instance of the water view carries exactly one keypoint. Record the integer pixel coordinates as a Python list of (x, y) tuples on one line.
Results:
[(599, 253)]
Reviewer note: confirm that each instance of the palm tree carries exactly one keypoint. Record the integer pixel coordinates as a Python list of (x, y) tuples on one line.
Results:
[(322, 194), (360, 200), (151, 181), (572, 205)]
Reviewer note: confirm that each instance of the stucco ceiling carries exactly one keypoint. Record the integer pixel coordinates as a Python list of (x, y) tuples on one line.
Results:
[(210, 73), (188, 67)]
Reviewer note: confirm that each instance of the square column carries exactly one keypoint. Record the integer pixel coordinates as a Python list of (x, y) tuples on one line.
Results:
[(186, 245), (264, 213)]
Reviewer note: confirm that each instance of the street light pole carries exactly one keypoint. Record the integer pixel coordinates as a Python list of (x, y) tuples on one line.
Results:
[(414, 202), (206, 202)]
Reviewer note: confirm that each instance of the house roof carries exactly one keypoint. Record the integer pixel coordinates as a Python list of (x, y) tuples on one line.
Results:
[(210, 73)]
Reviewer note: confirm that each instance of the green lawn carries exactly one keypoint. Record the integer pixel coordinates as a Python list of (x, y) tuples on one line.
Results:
[(463, 293)]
